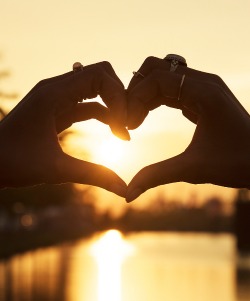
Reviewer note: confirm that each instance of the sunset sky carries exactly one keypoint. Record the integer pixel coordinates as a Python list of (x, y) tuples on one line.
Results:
[(40, 39)]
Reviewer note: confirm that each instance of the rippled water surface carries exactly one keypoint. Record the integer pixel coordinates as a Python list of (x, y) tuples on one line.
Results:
[(137, 267)]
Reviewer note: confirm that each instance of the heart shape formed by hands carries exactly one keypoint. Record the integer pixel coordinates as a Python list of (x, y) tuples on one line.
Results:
[(218, 153)]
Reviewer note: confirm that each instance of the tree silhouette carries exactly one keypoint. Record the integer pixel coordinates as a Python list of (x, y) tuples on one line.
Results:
[(4, 95)]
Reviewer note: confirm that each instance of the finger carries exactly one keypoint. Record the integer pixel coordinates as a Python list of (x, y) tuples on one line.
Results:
[(48, 81), (195, 97), (190, 115), (116, 101), (88, 83), (82, 172), (146, 91), (83, 112), (151, 63), (115, 98), (154, 63), (111, 89), (41, 84), (95, 110), (91, 110), (105, 65), (109, 69), (160, 87), (165, 172)]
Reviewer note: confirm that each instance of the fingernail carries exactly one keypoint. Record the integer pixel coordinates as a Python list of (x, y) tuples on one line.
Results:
[(121, 133), (119, 189), (133, 195)]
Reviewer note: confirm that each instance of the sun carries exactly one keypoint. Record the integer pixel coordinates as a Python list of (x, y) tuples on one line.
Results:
[(109, 152)]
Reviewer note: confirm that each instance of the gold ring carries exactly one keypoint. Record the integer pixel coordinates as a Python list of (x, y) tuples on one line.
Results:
[(182, 81), (178, 98)]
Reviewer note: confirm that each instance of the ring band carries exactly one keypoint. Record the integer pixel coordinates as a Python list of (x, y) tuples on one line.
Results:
[(182, 81), (77, 66), (137, 73), (178, 98), (175, 60)]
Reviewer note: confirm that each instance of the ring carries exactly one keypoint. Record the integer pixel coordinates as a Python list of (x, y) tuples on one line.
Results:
[(137, 73), (175, 61), (77, 66), (182, 81), (179, 92)]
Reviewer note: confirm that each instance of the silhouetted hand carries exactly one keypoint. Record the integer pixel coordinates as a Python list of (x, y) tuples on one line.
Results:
[(219, 152), (30, 152)]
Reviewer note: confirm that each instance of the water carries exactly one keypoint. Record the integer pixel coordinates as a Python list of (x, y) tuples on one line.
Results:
[(144, 266)]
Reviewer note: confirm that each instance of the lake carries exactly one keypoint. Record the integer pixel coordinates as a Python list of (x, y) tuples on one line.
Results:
[(143, 266)]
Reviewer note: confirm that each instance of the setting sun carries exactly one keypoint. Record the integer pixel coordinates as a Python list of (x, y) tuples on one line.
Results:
[(109, 152)]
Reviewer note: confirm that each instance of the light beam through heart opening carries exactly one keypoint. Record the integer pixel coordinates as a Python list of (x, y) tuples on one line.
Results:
[(110, 152)]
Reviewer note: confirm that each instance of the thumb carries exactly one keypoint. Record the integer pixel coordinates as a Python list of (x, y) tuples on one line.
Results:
[(165, 172), (82, 172)]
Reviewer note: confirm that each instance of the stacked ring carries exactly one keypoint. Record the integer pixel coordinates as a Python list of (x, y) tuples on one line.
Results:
[(77, 66), (175, 60)]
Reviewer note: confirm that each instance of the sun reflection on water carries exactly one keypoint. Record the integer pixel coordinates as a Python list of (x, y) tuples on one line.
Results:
[(109, 252)]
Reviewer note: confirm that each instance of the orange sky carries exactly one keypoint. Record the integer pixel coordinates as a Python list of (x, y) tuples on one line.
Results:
[(40, 39)]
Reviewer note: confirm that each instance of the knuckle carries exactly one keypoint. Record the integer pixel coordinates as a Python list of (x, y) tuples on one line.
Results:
[(160, 74), (216, 79), (212, 99), (46, 93), (144, 173), (106, 65), (42, 83), (150, 60), (157, 77), (213, 89), (45, 90), (98, 70)]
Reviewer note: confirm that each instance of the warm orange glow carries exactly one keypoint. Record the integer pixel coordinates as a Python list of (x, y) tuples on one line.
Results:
[(21, 42), (109, 252), (110, 152), (165, 266)]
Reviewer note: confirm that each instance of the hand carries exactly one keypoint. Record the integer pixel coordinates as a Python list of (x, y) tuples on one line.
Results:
[(30, 152), (219, 152)]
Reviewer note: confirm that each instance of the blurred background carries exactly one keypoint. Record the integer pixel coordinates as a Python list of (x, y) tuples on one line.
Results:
[(75, 242)]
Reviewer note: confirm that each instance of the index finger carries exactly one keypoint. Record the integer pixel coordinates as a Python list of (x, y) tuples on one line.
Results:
[(114, 96), (151, 63), (158, 88), (110, 88), (146, 68), (86, 84)]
